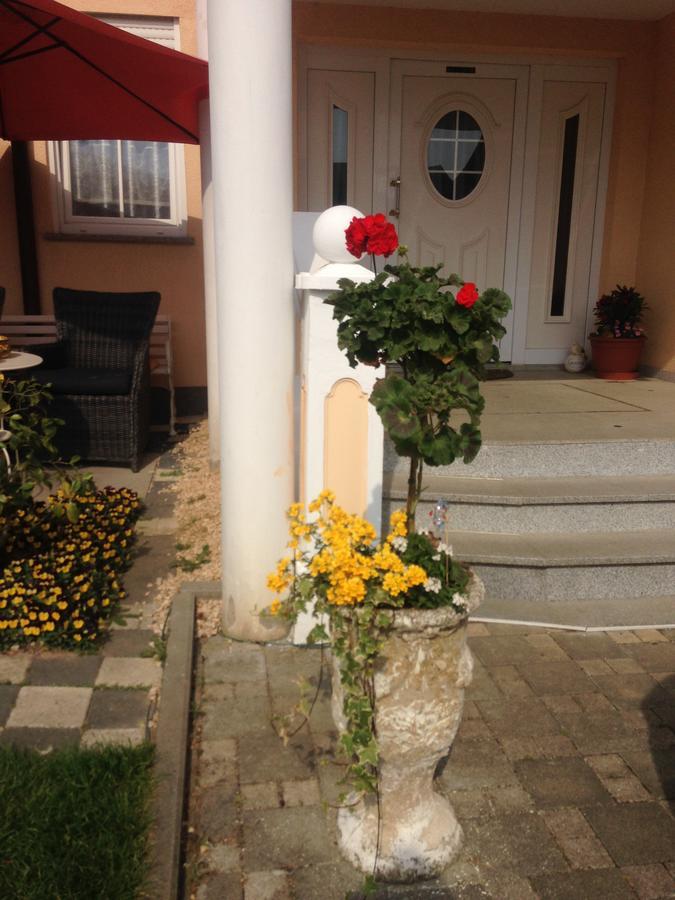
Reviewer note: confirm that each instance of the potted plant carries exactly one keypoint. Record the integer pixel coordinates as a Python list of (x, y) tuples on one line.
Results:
[(619, 336), (395, 612)]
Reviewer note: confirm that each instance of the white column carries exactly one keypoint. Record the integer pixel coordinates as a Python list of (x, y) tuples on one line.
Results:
[(209, 252), (251, 131)]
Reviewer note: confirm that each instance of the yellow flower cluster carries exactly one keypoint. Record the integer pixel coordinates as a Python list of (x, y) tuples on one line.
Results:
[(59, 580), (343, 559)]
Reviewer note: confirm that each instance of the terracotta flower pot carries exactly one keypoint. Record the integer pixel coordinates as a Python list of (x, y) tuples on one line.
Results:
[(617, 359), (419, 696)]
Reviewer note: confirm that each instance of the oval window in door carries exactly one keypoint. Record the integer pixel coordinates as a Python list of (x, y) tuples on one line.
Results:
[(456, 155)]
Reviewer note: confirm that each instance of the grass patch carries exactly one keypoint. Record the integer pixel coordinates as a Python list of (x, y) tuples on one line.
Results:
[(74, 823)]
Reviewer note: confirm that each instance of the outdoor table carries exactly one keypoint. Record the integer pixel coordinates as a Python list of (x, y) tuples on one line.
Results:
[(17, 359)]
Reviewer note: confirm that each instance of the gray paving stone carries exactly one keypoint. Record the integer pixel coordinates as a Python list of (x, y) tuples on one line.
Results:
[(221, 886), (548, 746), (518, 718), (273, 838), (482, 687), (64, 669), (510, 650), (129, 672), (654, 657), (116, 708), (594, 733), (271, 885), (301, 793), (588, 646), (260, 796), (509, 681), (135, 642), (553, 677), (600, 884), (226, 660), (159, 501), (476, 765), (42, 706), (475, 804), (656, 770), (154, 554), (328, 881), (520, 842), (264, 758), (576, 839), (8, 694), (223, 857), (218, 814), (631, 690), (236, 719), (13, 667), (650, 882), (634, 833), (560, 782), (42, 739)]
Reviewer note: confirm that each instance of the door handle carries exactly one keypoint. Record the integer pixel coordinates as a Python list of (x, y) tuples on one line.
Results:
[(396, 183)]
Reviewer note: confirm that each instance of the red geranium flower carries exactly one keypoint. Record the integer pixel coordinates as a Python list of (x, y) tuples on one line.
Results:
[(467, 295), (371, 234)]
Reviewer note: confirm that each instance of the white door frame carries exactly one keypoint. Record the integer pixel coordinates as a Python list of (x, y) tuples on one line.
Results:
[(604, 73), (530, 73)]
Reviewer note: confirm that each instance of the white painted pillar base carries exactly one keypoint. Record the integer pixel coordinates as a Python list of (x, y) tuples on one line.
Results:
[(251, 129)]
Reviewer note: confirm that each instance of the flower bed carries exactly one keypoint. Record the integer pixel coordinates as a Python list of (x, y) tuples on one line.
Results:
[(61, 563)]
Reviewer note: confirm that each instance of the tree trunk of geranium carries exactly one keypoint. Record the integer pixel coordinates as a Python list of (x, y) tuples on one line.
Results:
[(414, 491)]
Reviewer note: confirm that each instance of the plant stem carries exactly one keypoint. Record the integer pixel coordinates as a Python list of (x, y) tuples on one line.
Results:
[(414, 491)]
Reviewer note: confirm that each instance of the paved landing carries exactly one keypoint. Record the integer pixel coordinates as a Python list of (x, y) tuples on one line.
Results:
[(562, 774), (556, 407)]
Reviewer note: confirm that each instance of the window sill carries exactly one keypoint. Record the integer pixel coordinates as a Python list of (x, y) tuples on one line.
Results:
[(89, 238)]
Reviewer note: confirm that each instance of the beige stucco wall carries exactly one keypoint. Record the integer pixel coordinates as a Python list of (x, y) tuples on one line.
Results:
[(656, 257), (630, 43), (644, 60), (174, 270)]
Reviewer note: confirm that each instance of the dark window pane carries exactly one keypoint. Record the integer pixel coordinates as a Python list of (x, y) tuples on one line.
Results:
[(562, 241), (470, 156), (443, 182), (441, 155), (340, 155), (94, 179), (465, 184), (468, 128), (456, 155), (446, 128)]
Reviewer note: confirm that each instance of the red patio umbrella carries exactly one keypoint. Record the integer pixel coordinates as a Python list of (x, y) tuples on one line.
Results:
[(66, 76)]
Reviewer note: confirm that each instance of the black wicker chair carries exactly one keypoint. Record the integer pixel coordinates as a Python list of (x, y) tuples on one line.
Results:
[(99, 373)]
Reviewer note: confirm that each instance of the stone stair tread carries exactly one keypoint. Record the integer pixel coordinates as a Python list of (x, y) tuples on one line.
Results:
[(584, 612), (536, 491), (651, 546)]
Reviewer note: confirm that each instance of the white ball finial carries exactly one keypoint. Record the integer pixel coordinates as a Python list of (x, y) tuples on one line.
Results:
[(329, 234)]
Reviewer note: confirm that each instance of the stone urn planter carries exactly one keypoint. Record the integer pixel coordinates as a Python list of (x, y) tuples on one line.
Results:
[(419, 695)]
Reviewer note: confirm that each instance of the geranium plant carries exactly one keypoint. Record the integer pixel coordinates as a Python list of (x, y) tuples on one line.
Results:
[(436, 342), (619, 313)]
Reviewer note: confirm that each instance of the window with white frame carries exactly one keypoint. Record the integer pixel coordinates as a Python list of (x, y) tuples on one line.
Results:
[(122, 187)]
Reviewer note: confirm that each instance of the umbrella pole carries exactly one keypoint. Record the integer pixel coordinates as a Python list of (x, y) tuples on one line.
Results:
[(25, 227)]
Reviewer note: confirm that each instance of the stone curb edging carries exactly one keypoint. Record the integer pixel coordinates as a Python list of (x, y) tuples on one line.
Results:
[(172, 748)]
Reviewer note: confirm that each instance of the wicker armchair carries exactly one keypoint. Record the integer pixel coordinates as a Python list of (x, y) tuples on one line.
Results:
[(99, 373)]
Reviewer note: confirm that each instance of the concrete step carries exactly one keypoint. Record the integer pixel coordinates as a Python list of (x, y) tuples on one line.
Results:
[(523, 505), (551, 459), (584, 612), (564, 567)]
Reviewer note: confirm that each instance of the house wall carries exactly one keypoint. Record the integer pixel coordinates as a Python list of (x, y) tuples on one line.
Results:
[(173, 269), (656, 256), (455, 33)]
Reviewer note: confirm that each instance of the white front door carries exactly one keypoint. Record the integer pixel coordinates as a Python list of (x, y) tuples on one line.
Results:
[(456, 147)]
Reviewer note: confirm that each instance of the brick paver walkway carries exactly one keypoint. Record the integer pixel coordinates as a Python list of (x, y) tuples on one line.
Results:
[(563, 774), (51, 699)]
